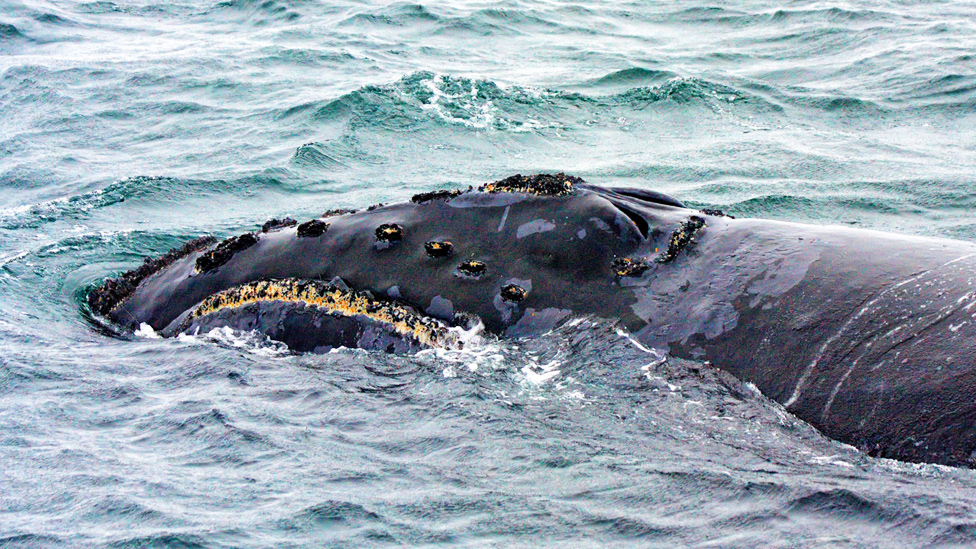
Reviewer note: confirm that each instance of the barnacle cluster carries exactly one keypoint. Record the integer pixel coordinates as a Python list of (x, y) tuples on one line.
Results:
[(224, 251), (471, 269), (114, 291), (335, 300), (276, 224), (625, 266), (542, 184), (312, 229), (338, 211), (389, 232), (716, 213), (513, 293), (435, 195), (680, 238), (438, 249)]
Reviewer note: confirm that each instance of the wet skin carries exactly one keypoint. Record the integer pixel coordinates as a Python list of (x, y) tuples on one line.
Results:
[(869, 336)]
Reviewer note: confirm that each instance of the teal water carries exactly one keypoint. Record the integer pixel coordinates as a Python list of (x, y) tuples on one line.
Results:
[(129, 127)]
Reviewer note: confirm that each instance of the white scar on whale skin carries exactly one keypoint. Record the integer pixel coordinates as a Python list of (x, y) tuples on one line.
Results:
[(942, 314), (823, 348), (533, 227), (501, 225)]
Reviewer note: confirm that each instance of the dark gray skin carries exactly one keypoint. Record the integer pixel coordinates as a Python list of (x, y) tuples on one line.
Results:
[(870, 337)]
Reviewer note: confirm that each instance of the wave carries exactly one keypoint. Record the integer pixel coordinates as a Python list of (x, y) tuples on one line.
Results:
[(184, 540), (424, 98), (742, 18), (561, 20), (454, 21), (258, 12), (9, 32), (317, 155), (304, 57), (396, 15), (101, 7), (832, 14), (31, 540), (687, 90), (632, 77), (54, 20), (77, 207), (34, 215), (957, 90)]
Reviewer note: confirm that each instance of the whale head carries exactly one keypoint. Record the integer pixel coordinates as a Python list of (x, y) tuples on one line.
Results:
[(519, 255)]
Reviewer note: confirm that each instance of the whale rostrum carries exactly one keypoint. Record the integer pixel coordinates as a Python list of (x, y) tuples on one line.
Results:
[(869, 336)]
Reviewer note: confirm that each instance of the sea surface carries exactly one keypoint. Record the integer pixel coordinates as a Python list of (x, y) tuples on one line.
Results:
[(130, 126)]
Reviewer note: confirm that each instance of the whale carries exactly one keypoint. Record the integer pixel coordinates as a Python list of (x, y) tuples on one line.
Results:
[(868, 336)]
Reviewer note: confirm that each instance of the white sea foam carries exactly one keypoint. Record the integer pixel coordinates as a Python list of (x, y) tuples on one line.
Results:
[(146, 331), (248, 341)]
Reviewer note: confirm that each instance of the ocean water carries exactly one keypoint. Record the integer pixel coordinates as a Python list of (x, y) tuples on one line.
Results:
[(130, 126)]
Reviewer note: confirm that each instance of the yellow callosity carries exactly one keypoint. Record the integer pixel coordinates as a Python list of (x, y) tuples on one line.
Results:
[(333, 299)]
